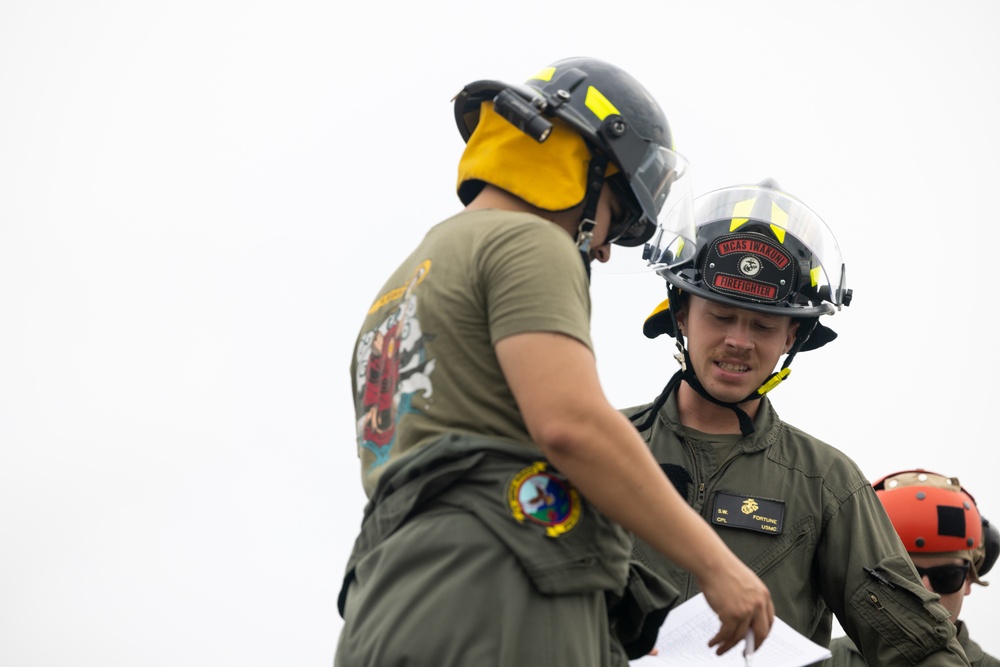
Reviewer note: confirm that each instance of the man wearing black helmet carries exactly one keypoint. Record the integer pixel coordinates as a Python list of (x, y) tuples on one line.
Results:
[(747, 285), (499, 477), (951, 544)]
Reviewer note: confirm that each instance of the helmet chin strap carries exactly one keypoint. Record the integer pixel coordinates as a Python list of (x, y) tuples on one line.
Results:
[(746, 424), (687, 374), (588, 220)]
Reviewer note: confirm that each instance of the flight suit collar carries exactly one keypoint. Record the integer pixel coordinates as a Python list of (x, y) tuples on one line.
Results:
[(765, 424)]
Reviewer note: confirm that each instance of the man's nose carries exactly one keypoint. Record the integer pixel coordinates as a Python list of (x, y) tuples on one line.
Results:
[(738, 335)]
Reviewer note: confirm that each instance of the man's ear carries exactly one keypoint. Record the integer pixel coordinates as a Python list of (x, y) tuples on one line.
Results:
[(793, 329), (680, 315)]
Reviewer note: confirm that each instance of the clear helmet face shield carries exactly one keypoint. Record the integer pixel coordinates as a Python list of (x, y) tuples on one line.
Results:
[(660, 183), (786, 223), (660, 200)]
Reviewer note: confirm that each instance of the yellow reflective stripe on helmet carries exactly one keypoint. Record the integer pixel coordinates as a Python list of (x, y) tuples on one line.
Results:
[(814, 275), (599, 104), (545, 74), (742, 210), (741, 213), (779, 220)]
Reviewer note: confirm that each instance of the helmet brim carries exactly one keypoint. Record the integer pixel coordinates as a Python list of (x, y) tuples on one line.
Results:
[(661, 321)]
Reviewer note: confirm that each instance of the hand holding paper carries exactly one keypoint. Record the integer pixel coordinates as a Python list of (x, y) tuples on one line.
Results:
[(683, 640)]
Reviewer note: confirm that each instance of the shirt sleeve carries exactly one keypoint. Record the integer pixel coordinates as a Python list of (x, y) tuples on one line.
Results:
[(534, 279)]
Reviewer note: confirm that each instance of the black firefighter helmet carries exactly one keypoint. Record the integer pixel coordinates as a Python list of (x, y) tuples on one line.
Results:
[(620, 122), (758, 248)]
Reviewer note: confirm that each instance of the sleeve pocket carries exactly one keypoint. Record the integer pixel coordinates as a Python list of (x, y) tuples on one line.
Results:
[(906, 615)]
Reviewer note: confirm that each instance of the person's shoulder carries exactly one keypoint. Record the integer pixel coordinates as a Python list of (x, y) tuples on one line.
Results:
[(975, 653), (802, 440), (791, 441), (628, 412), (506, 231), (496, 220), (796, 449)]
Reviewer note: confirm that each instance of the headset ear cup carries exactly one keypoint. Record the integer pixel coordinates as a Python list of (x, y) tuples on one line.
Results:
[(991, 541)]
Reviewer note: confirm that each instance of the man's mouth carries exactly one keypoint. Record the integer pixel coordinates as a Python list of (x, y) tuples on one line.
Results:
[(732, 368)]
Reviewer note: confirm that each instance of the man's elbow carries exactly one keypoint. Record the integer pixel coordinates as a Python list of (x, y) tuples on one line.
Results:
[(571, 437)]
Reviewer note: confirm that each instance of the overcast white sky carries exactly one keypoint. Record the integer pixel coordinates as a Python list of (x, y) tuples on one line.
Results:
[(199, 200)]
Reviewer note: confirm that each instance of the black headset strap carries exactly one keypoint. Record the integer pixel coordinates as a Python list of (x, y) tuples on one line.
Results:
[(588, 220), (595, 181)]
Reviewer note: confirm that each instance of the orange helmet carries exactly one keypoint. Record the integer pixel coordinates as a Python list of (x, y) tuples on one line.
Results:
[(933, 514)]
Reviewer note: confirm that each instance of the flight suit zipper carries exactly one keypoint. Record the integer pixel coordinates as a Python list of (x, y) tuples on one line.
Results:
[(702, 486), (874, 601), (700, 496)]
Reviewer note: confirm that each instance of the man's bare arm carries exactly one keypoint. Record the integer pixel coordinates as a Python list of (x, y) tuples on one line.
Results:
[(554, 380)]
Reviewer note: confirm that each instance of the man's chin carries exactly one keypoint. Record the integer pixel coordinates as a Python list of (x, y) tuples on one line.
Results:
[(730, 393)]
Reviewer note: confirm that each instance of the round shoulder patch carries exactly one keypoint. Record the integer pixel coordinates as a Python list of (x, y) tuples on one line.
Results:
[(539, 495)]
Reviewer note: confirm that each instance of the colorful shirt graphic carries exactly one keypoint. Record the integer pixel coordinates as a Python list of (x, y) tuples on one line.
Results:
[(424, 365), (392, 366)]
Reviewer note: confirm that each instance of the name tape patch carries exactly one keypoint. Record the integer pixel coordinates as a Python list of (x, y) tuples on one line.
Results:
[(748, 512)]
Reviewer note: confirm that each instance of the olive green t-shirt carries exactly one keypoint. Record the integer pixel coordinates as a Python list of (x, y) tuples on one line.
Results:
[(424, 363)]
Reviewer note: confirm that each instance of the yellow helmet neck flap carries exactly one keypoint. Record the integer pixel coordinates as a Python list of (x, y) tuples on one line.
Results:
[(550, 175)]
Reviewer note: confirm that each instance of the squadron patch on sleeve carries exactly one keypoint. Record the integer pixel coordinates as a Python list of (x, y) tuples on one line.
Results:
[(750, 513), (538, 495)]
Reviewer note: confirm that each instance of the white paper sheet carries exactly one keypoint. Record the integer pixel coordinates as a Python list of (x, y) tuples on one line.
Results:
[(684, 636)]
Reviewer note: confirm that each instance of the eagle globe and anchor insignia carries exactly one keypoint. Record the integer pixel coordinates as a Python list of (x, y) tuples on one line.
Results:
[(538, 495)]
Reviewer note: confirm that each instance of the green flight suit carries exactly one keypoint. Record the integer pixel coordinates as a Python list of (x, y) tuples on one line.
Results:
[(802, 515), (846, 654), (444, 531)]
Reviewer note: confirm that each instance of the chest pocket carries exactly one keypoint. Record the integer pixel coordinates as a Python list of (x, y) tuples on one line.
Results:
[(793, 547), (785, 563)]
